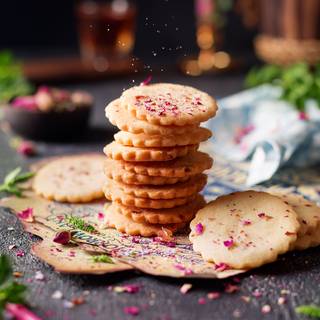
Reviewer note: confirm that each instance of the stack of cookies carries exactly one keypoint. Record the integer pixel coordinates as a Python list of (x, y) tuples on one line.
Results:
[(154, 171)]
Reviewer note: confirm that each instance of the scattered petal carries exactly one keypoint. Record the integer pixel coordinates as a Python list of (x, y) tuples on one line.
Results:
[(231, 288), (199, 229), (18, 311), (100, 216), (221, 267), (128, 288), (202, 300), (146, 81), (303, 116), (213, 295), (20, 253), (26, 148), (12, 246), (185, 288), (57, 295), (132, 310), (26, 215), (228, 243), (281, 301), (39, 276), (62, 237), (266, 308)]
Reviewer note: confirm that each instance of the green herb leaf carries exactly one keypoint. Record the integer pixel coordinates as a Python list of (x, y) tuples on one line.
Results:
[(9, 178), (78, 223), (309, 310), (24, 177), (5, 269), (102, 258)]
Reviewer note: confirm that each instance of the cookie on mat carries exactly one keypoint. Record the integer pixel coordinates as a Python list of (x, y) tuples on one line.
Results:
[(71, 179), (115, 194), (143, 140), (244, 229), (180, 189), (179, 214), (189, 165), (113, 170), (121, 118), (117, 151), (123, 224), (168, 104)]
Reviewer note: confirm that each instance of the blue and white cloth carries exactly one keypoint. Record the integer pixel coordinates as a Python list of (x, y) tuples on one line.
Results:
[(256, 126)]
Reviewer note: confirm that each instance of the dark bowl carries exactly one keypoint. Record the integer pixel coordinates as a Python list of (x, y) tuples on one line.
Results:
[(51, 125)]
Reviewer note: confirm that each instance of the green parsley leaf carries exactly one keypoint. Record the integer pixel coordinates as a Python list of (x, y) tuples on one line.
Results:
[(78, 223), (102, 258), (309, 310), (9, 178)]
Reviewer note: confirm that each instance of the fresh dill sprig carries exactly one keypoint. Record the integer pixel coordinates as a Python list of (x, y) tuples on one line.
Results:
[(102, 258), (78, 223), (309, 310)]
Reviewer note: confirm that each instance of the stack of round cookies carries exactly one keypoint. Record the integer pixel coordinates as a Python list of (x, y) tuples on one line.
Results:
[(154, 171)]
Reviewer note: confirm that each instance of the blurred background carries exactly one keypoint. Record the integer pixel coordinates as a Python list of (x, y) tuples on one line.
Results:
[(93, 49)]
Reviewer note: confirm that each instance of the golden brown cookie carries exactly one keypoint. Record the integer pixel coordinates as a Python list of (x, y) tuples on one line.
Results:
[(143, 140), (115, 194), (178, 190), (71, 179), (189, 165), (244, 229), (113, 170), (117, 151), (168, 104), (163, 216), (123, 224), (121, 118)]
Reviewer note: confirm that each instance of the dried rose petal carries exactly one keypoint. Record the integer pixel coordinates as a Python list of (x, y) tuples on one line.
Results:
[(20, 312), (246, 222), (221, 267), (26, 148), (146, 81), (20, 253), (213, 295), (202, 300), (261, 215), (185, 288), (62, 237), (228, 243), (303, 116), (100, 216), (132, 310), (199, 229), (26, 215), (266, 308), (165, 234), (231, 288), (27, 103)]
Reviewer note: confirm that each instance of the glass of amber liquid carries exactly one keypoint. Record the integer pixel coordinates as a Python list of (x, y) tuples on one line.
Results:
[(106, 30)]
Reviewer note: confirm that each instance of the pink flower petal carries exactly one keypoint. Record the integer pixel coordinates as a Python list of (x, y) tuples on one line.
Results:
[(228, 243), (26, 148), (27, 103), (62, 237), (146, 81), (202, 300), (185, 288), (303, 116), (213, 295), (199, 229), (132, 310), (26, 215), (100, 216), (20, 312), (221, 266)]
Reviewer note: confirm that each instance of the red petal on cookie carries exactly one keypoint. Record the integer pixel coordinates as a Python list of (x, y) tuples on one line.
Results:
[(221, 266), (199, 229), (62, 237), (146, 81), (228, 243)]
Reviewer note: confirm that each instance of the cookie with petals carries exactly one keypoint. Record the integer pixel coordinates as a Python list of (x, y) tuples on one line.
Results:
[(117, 151), (115, 194), (113, 170), (244, 229), (178, 190), (168, 104), (121, 118), (123, 224), (179, 214), (189, 165), (71, 179), (143, 140)]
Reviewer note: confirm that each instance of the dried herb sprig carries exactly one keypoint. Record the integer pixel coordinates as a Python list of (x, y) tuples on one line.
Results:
[(309, 310), (102, 258), (80, 224)]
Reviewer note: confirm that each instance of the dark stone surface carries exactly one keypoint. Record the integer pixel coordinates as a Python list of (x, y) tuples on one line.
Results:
[(159, 298)]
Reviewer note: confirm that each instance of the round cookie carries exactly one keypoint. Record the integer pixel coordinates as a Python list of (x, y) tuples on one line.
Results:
[(178, 190), (308, 212), (117, 151), (123, 224), (189, 165), (163, 216), (244, 229), (71, 179), (121, 118), (115, 194), (113, 170), (168, 104), (143, 140)]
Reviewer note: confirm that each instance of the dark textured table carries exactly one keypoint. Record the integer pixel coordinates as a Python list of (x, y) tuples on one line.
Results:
[(295, 276)]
